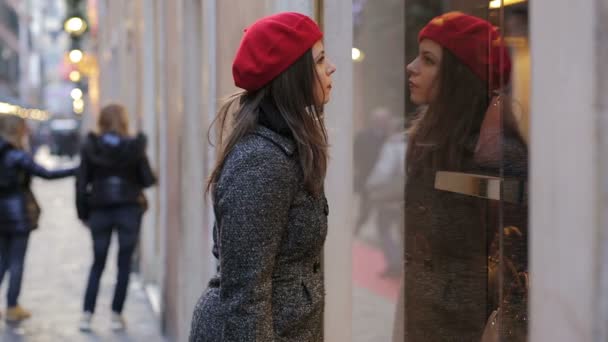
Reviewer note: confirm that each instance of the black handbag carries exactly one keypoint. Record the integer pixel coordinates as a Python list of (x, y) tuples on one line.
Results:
[(142, 201), (32, 208)]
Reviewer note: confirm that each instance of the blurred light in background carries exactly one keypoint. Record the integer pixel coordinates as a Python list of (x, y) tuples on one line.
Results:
[(357, 55), (75, 26), (6, 108), (76, 94), (495, 3), (78, 106), (75, 76), (75, 56), (499, 3), (26, 113)]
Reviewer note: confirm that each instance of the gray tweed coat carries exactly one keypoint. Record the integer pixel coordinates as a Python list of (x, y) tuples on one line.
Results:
[(269, 235)]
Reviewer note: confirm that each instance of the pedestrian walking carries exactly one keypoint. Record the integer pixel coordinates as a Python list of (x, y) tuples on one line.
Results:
[(113, 172), (19, 210), (367, 148), (385, 186)]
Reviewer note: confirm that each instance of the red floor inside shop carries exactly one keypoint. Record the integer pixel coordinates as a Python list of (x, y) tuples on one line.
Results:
[(368, 264)]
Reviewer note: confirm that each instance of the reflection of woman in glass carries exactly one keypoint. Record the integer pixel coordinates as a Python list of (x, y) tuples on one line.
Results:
[(461, 68)]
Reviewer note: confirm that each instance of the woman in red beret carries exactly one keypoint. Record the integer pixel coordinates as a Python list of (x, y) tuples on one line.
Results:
[(267, 190), (460, 77)]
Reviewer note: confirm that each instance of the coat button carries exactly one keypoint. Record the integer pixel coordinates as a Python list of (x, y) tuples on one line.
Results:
[(316, 267)]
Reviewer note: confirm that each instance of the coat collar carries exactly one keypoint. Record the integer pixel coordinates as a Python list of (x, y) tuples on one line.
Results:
[(286, 144)]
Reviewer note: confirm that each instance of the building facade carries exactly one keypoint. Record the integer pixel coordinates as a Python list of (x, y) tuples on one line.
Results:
[(170, 63), (9, 51)]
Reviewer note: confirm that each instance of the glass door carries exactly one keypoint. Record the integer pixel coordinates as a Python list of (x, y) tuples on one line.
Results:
[(441, 112), (466, 260)]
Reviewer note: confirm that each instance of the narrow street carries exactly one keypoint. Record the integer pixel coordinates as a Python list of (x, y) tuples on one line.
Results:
[(57, 265)]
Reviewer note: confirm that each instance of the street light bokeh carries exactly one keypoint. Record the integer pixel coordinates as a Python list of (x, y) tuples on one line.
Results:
[(76, 94), (78, 106), (75, 56), (357, 55), (75, 76), (75, 26), (494, 4)]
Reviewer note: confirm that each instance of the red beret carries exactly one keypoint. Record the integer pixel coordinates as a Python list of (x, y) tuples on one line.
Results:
[(475, 42), (270, 46)]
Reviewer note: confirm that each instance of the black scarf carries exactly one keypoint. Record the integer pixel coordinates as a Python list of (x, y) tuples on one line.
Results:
[(270, 117)]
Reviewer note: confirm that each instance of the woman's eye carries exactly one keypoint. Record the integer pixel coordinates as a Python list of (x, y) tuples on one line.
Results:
[(321, 60), (428, 60)]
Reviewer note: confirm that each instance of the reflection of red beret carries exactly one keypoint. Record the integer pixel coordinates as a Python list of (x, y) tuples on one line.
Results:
[(270, 46), (475, 42)]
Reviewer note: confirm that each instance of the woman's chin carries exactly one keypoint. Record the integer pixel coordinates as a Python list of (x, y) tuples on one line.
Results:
[(417, 101)]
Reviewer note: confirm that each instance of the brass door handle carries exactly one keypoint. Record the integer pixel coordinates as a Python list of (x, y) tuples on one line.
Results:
[(510, 190)]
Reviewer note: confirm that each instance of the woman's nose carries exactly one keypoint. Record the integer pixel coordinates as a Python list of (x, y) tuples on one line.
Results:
[(331, 69), (412, 67)]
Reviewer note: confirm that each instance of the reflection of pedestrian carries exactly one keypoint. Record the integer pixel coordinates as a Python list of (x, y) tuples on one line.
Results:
[(385, 186), (367, 146), (113, 172), (447, 234), (267, 190), (19, 211)]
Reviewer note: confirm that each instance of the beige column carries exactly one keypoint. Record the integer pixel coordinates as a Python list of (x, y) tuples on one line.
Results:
[(209, 105), (195, 252), (173, 117), (601, 298), (337, 257), (150, 70), (568, 86)]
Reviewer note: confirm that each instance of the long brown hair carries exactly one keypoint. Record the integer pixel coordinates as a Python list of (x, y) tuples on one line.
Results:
[(13, 129), (292, 94), (113, 118), (440, 136)]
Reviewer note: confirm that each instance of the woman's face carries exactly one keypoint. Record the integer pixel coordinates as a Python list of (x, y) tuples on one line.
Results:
[(423, 73), (324, 69)]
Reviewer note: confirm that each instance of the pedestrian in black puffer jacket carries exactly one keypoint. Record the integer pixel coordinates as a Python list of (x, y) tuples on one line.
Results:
[(113, 172), (19, 211)]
